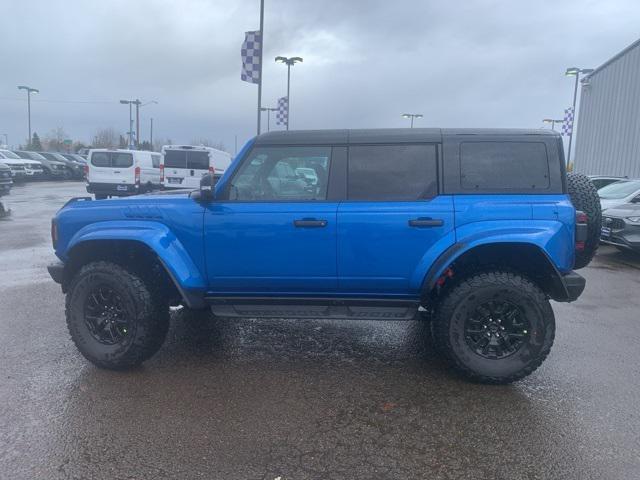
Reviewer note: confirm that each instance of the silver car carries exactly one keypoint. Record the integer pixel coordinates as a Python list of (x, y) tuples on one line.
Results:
[(619, 193)]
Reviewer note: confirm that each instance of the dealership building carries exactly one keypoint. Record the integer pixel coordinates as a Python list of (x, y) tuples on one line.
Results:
[(608, 133)]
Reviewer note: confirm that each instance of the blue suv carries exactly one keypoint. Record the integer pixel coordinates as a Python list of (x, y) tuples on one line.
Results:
[(473, 230)]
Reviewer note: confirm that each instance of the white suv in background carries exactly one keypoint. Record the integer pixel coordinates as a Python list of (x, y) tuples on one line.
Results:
[(183, 166), (121, 172), (32, 168)]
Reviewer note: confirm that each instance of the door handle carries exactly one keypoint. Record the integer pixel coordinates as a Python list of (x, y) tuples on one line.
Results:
[(426, 222), (309, 223)]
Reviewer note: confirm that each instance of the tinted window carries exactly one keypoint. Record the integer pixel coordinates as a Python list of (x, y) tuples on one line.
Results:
[(155, 161), (392, 172), (270, 173), (175, 159), (198, 160), (503, 166), (100, 159), (112, 159), (121, 160)]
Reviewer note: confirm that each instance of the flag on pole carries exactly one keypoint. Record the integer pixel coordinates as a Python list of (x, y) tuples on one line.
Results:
[(250, 53), (567, 124), (282, 115)]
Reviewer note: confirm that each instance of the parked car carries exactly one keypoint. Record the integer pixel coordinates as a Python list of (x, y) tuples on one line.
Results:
[(399, 219), (182, 166), (18, 171), (32, 168), (75, 169), (6, 181), (122, 172), (602, 180), (74, 157), (619, 193), (52, 169), (621, 226)]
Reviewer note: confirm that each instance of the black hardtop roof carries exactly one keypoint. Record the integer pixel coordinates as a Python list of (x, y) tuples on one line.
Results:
[(386, 135)]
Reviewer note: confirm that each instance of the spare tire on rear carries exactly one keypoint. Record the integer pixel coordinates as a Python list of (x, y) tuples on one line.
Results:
[(584, 197)]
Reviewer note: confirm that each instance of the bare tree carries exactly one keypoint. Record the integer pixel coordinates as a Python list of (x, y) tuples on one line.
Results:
[(54, 141), (106, 138), (158, 143), (207, 142)]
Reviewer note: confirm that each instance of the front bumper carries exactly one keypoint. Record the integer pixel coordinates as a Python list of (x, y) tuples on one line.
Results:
[(621, 233)]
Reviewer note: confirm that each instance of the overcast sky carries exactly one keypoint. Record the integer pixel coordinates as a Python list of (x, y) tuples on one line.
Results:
[(460, 64)]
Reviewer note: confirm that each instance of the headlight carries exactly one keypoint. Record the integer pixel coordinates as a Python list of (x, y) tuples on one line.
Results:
[(634, 219)]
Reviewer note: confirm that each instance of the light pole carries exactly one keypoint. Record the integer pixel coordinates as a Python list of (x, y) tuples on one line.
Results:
[(268, 110), (139, 105), (130, 132), (29, 92), (151, 132), (575, 71), (552, 122), (411, 116), (289, 62)]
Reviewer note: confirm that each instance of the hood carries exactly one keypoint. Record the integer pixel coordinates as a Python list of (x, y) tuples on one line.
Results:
[(607, 203), (625, 210)]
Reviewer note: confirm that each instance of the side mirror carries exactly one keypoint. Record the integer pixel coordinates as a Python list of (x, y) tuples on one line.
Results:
[(206, 188)]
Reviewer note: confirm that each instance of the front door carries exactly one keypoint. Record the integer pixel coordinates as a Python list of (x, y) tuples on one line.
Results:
[(394, 223), (274, 232)]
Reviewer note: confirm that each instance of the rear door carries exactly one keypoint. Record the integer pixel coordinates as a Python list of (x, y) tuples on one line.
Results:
[(394, 223), (111, 167)]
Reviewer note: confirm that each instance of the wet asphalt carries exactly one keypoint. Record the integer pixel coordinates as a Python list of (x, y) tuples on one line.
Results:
[(313, 399)]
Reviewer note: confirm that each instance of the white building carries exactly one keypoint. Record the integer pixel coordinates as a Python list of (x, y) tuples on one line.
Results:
[(608, 128)]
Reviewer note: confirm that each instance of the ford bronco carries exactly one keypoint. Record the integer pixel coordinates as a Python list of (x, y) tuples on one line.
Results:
[(473, 230)]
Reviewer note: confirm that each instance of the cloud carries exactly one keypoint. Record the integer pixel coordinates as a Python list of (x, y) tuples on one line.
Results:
[(476, 63)]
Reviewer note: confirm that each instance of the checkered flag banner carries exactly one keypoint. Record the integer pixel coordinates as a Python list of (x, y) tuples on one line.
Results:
[(251, 52), (567, 124), (282, 115)]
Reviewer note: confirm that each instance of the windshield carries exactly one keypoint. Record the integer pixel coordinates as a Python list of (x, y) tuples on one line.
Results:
[(8, 154), (619, 189)]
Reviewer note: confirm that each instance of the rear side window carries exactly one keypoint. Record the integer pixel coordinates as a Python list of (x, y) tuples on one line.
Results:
[(175, 159), (155, 161), (392, 172), (499, 166), (198, 160), (112, 159)]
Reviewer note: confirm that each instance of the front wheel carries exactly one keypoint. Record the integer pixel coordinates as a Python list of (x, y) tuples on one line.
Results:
[(495, 327), (113, 317)]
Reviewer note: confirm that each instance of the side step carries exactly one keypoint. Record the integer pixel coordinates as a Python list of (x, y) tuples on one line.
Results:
[(352, 309)]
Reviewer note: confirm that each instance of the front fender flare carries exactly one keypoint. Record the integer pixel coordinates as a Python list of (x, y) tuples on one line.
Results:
[(161, 240)]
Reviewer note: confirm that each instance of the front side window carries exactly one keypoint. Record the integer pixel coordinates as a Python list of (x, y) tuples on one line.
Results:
[(273, 173), (392, 172), (498, 166)]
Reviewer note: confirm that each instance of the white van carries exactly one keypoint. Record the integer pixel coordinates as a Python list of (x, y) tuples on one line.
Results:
[(183, 166), (120, 173)]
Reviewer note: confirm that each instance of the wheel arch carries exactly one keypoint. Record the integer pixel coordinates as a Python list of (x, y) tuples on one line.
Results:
[(139, 245), (525, 258)]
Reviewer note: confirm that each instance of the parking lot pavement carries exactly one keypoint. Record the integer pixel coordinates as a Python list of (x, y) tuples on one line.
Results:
[(239, 399)]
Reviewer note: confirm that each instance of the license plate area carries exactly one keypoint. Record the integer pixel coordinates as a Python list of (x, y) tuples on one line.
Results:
[(175, 180), (605, 232), (121, 188)]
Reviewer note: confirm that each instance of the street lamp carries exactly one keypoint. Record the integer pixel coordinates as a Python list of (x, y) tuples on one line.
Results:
[(268, 110), (552, 122), (29, 92), (575, 71), (138, 106), (289, 62), (411, 116)]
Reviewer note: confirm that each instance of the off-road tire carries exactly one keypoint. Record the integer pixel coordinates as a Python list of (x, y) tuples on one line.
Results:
[(451, 315), (148, 314), (584, 197)]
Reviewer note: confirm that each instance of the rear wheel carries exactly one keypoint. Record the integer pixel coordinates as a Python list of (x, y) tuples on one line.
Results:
[(113, 317), (494, 327), (584, 197)]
